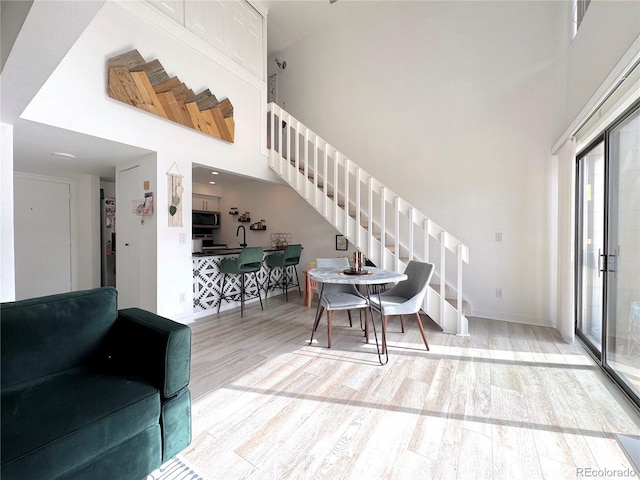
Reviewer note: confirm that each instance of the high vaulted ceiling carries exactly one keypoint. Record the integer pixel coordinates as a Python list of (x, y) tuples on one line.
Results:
[(288, 22)]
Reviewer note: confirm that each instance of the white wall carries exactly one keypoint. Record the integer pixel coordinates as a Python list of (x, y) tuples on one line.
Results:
[(75, 98), (283, 211), (7, 258), (88, 245), (454, 105), (607, 31)]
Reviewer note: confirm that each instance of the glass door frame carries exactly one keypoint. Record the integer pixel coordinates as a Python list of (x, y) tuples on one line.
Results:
[(599, 356), (602, 138)]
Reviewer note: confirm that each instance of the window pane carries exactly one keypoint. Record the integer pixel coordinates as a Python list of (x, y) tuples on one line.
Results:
[(591, 246), (623, 296)]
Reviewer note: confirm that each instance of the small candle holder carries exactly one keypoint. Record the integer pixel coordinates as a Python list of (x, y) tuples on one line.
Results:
[(358, 261)]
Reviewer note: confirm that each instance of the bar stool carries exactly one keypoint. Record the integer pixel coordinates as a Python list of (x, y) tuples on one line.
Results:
[(290, 258), (249, 261)]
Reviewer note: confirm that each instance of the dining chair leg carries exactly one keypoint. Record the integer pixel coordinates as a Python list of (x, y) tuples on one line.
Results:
[(350, 321), (329, 315), (308, 291), (402, 322), (424, 335)]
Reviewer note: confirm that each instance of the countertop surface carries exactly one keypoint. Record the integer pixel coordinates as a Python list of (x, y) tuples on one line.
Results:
[(232, 251)]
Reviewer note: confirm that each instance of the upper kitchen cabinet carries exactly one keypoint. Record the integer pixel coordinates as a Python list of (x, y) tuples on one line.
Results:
[(233, 27), (205, 203)]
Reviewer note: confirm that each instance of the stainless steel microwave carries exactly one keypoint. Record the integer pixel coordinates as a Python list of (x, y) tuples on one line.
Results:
[(203, 219)]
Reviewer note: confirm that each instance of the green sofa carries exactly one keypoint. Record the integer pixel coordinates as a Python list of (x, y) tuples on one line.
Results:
[(89, 391)]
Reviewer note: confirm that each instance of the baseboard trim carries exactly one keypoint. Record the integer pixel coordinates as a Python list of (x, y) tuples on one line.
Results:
[(505, 317)]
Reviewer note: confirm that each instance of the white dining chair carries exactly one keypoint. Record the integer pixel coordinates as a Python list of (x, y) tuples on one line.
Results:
[(336, 297), (405, 298)]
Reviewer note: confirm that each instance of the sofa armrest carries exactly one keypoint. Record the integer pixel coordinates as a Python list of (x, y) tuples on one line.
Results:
[(151, 347)]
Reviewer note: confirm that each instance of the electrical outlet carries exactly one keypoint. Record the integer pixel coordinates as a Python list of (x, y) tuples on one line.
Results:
[(183, 297), (182, 238), (498, 237), (498, 293)]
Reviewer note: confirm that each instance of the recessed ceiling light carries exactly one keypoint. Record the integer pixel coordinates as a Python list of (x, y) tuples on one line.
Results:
[(214, 173), (63, 155), (212, 183)]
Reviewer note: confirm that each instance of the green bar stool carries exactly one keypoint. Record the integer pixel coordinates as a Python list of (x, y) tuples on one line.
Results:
[(249, 261), (290, 258)]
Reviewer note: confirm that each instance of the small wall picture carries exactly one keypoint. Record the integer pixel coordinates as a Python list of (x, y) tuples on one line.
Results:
[(341, 242)]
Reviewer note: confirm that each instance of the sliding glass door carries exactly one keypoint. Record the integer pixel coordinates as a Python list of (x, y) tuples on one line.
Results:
[(608, 250), (591, 245), (622, 344)]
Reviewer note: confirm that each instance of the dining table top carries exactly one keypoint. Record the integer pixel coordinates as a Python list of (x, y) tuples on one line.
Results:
[(372, 276)]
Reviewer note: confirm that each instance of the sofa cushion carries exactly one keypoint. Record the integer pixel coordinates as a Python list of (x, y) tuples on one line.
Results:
[(131, 460), (65, 420), (47, 335)]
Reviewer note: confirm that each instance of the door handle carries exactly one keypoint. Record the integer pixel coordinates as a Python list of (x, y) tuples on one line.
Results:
[(602, 265)]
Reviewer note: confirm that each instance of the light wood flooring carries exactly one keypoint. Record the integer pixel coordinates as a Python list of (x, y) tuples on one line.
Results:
[(508, 402)]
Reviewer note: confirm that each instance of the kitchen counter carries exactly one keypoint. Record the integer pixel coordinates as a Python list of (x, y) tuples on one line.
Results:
[(207, 280), (233, 251)]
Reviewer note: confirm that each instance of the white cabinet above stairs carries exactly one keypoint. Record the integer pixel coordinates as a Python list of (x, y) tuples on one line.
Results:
[(382, 225)]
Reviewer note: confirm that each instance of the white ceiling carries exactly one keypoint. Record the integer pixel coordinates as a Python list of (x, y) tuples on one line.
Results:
[(223, 179), (34, 143), (288, 22)]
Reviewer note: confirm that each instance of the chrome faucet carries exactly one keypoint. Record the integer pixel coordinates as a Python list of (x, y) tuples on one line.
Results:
[(244, 235)]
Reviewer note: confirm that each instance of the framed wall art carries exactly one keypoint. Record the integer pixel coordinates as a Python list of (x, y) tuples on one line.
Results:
[(341, 242)]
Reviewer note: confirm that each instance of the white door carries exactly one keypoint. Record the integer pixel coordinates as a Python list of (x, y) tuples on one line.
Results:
[(128, 239), (42, 237)]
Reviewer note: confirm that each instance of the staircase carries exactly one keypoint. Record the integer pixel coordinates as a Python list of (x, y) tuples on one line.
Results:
[(387, 229)]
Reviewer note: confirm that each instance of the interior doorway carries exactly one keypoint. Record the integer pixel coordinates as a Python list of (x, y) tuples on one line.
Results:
[(128, 245), (43, 240)]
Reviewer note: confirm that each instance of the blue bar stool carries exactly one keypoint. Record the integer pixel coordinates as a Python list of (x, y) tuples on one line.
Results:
[(290, 258), (249, 261)]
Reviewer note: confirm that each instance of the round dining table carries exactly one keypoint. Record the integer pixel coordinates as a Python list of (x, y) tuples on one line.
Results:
[(371, 278)]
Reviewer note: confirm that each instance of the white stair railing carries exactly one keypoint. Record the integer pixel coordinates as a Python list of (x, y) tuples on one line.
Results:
[(382, 225)]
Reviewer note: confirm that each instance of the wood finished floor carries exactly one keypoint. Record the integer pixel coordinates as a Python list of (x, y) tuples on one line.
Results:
[(508, 402)]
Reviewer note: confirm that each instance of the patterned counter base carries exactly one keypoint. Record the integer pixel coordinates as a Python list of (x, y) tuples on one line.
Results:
[(207, 281)]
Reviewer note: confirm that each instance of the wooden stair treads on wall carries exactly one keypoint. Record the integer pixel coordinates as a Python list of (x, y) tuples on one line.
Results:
[(147, 85)]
